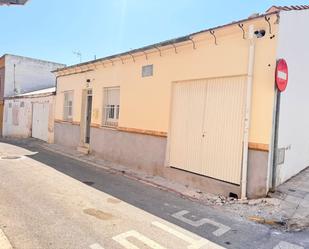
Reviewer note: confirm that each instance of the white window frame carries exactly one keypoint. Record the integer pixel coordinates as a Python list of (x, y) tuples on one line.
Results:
[(111, 110), (67, 106)]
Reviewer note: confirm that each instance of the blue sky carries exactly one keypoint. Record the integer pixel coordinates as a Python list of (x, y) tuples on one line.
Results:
[(53, 29)]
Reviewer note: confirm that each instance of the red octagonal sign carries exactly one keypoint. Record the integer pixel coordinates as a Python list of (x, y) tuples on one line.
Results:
[(282, 75)]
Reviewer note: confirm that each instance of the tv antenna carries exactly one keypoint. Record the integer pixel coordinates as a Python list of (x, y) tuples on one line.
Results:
[(79, 55)]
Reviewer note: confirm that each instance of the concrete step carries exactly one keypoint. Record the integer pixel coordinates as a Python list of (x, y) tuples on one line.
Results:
[(83, 149)]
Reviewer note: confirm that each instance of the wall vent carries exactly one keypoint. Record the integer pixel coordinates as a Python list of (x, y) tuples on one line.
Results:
[(147, 71)]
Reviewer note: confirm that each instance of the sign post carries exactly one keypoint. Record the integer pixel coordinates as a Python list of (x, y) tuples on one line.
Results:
[(281, 79)]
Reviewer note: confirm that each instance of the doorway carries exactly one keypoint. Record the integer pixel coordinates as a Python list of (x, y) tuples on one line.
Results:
[(40, 117), (88, 115)]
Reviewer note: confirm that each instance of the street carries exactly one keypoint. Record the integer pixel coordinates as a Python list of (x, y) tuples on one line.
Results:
[(48, 200)]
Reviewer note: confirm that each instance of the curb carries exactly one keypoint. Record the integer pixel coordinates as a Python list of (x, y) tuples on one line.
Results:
[(126, 174)]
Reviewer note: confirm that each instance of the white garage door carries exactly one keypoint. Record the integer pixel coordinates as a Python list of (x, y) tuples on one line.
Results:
[(40, 120), (207, 126)]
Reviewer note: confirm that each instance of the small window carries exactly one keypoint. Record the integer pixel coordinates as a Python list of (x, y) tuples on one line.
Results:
[(10, 105), (147, 71), (68, 106), (111, 106), (22, 104)]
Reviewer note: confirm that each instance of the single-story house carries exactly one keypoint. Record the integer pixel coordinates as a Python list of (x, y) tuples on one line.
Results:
[(202, 109), (19, 74), (30, 115)]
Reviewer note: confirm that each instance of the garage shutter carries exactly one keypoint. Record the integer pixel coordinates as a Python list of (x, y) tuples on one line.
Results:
[(207, 124)]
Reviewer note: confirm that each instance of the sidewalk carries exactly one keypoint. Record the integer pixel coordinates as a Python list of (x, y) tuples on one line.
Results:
[(286, 209)]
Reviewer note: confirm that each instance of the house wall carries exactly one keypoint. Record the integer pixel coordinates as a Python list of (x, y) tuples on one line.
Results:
[(2, 62), (1, 92), (145, 102), (294, 122), (28, 74), (18, 120)]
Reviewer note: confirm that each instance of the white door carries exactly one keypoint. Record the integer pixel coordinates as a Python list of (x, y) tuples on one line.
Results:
[(40, 115), (207, 126)]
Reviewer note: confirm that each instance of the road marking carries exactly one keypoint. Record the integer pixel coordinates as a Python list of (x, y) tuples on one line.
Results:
[(122, 240), (286, 245), (194, 241), (96, 246), (4, 242), (222, 229)]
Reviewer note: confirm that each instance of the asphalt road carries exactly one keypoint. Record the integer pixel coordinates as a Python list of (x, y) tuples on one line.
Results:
[(42, 208)]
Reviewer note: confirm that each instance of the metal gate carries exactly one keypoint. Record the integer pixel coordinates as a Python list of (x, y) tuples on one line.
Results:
[(40, 115), (207, 126)]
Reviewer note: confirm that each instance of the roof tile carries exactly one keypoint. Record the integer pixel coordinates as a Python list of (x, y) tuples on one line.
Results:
[(287, 8)]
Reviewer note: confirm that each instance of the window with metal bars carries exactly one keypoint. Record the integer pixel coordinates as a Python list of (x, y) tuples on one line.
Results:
[(68, 106), (111, 106)]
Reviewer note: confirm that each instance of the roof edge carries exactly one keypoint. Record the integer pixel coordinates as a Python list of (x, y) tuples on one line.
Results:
[(164, 43), (31, 58)]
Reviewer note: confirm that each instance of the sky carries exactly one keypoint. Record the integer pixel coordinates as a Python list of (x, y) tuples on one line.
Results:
[(54, 29)]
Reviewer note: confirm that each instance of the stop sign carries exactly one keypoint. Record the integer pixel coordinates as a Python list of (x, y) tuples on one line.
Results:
[(282, 75)]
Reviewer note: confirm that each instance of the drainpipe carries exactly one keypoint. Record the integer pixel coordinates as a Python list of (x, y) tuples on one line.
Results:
[(247, 112)]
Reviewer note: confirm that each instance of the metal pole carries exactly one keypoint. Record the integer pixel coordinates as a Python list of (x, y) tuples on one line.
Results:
[(276, 132)]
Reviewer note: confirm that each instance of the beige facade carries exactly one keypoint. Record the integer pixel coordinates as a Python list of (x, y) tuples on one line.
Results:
[(146, 102), (228, 58)]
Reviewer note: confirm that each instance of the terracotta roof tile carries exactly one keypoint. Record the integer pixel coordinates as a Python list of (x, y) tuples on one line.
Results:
[(287, 8)]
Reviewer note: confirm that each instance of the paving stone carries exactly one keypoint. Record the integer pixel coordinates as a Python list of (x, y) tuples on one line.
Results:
[(298, 193), (301, 213), (305, 203), (304, 187), (293, 199), (286, 245)]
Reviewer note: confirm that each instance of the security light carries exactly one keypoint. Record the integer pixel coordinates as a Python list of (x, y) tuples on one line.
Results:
[(260, 33)]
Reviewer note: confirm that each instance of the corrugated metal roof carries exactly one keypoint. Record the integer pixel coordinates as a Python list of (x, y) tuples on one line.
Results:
[(35, 94), (42, 91)]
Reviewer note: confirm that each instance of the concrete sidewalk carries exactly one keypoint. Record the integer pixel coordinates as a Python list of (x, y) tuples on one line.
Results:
[(286, 209), (294, 197)]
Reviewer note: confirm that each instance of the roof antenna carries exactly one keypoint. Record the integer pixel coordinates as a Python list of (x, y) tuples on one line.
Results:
[(79, 55)]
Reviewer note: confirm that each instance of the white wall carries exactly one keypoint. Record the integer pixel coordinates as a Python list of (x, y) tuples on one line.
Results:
[(294, 117), (30, 74), (21, 125)]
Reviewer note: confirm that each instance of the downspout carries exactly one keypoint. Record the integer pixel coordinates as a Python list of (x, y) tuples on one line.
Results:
[(248, 112)]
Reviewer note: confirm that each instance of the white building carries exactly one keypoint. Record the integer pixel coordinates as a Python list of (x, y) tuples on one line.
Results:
[(21, 82), (30, 115)]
